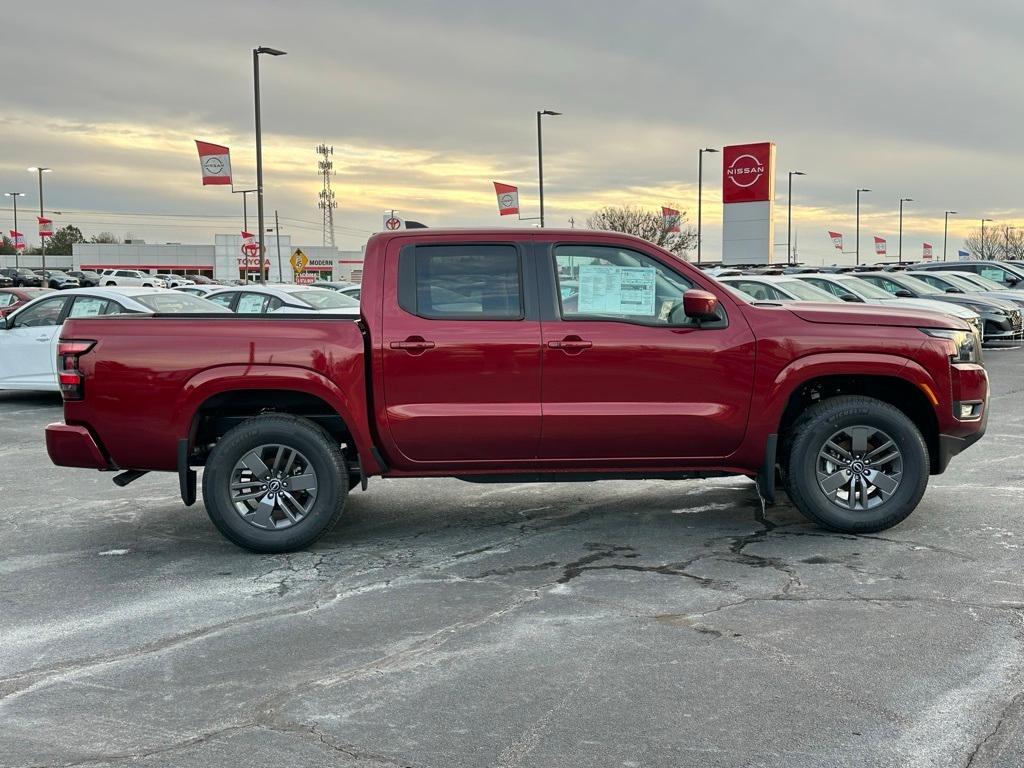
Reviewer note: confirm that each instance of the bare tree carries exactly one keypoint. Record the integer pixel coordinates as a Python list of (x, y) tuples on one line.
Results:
[(1002, 241), (646, 224), (105, 237)]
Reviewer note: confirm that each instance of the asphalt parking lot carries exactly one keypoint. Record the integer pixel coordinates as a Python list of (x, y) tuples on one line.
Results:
[(447, 624)]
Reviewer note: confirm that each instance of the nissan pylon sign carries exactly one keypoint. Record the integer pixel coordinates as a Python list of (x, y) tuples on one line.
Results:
[(748, 197)]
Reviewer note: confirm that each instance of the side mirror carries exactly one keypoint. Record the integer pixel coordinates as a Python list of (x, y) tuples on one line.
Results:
[(1012, 280), (903, 294), (700, 305), (851, 298)]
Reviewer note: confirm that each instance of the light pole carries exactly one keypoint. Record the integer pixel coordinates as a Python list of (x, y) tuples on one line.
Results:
[(259, 145), (902, 201), (858, 223), (42, 240), (540, 159), (700, 191), (982, 254), (14, 199), (789, 217), (945, 232)]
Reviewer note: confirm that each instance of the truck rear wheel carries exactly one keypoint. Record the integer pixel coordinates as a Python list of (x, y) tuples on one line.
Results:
[(856, 465), (275, 483)]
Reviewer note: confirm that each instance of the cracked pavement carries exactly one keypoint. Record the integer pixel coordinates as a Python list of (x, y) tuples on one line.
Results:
[(649, 623)]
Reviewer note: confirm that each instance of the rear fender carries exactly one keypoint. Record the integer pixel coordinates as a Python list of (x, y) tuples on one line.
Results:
[(234, 378)]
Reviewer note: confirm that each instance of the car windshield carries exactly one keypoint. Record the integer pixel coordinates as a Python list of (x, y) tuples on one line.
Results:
[(918, 285), (983, 282), (806, 291), (177, 303), (58, 273), (321, 298), (863, 288), (962, 283)]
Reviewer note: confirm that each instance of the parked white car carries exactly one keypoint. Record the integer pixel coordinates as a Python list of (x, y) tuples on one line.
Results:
[(198, 289), (352, 290), (283, 298), (846, 285), (172, 280), (776, 288), (29, 335), (130, 277)]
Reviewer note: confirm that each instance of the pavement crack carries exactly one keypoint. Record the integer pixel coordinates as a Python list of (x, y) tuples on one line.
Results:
[(1012, 708)]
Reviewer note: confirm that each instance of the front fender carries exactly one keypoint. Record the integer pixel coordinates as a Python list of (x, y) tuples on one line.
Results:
[(233, 378)]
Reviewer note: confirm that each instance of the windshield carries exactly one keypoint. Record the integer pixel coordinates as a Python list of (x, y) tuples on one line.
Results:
[(321, 298), (177, 302), (962, 283), (863, 288), (58, 273), (918, 285), (806, 291), (984, 282)]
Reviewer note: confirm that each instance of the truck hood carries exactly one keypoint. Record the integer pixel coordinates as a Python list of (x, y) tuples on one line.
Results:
[(875, 314)]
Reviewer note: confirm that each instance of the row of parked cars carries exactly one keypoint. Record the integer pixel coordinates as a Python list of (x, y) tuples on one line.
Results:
[(995, 307), (31, 317)]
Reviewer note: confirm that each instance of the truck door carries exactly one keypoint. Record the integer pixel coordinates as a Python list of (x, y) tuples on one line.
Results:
[(627, 376), (461, 353)]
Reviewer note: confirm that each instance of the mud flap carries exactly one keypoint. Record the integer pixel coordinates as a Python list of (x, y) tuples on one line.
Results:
[(765, 479), (186, 475)]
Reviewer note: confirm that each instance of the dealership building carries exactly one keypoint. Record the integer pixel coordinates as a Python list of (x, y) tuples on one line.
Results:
[(223, 260)]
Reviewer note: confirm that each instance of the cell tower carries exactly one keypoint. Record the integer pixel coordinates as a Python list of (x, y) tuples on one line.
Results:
[(327, 202)]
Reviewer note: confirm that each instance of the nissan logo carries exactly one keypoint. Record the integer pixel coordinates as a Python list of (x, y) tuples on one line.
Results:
[(745, 171)]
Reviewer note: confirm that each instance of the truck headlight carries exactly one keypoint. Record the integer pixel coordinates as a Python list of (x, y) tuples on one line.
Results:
[(965, 345)]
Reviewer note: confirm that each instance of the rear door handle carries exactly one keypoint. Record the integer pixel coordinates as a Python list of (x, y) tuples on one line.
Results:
[(413, 345)]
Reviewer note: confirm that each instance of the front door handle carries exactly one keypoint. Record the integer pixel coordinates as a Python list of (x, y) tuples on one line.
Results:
[(571, 344), (414, 345), (42, 338)]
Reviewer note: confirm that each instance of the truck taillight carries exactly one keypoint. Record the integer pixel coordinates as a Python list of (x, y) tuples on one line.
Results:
[(68, 376)]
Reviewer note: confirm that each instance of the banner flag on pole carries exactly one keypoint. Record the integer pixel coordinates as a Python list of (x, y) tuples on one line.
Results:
[(964, 255), (670, 218), (837, 240), (18, 240), (926, 251), (392, 221), (214, 162), (880, 245), (45, 227), (508, 199)]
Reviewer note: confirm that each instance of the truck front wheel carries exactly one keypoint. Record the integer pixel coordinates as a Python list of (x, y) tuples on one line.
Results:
[(856, 464), (275, 483)]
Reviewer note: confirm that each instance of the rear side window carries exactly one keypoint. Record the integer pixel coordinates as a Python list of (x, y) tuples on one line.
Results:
[(88, 306), (6, 299), (462, 282)]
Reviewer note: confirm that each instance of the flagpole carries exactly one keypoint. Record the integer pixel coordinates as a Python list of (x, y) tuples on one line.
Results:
[(259, 146)]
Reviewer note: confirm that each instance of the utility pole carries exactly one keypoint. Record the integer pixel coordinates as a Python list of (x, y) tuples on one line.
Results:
[(277, 237), (858, 223), (789, 217), (945, 232), (259, 149), (700, 192), (540, 159)]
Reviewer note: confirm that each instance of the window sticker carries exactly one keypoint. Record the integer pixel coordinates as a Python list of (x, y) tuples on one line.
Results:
[(610, 290)]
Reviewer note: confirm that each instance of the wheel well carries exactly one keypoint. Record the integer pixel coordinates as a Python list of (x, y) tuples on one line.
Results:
[(890, 389), (220, 413)]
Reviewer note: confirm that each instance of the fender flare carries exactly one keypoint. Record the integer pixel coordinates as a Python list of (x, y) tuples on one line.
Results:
[(236, 378)]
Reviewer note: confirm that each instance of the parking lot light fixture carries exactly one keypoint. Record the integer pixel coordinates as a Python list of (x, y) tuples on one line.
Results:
[(259, 146), (945, 232), (789, 217), (902, 201), (14, 199), (700, 191), (857, 248), (540, 159), (40, 170)]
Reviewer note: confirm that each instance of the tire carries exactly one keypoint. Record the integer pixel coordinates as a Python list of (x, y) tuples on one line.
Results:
[(318, 455), (110, 283), (884, 491)]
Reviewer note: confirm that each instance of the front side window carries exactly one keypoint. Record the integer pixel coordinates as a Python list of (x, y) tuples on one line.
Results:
[(6, 299), (996, 273), (42, 314), (224, 299), (461, 282), (611, 283)]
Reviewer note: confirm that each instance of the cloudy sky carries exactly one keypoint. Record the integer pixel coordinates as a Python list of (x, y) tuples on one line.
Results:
[(427, 101)]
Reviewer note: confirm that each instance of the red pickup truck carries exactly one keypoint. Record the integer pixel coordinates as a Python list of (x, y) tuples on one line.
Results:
[(512, 355)]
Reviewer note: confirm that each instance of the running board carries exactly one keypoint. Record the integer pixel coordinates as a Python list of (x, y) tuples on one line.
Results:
[(129, 476)]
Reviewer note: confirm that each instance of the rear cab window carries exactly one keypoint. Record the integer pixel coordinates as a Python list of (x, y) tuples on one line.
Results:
[(462, 282)]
